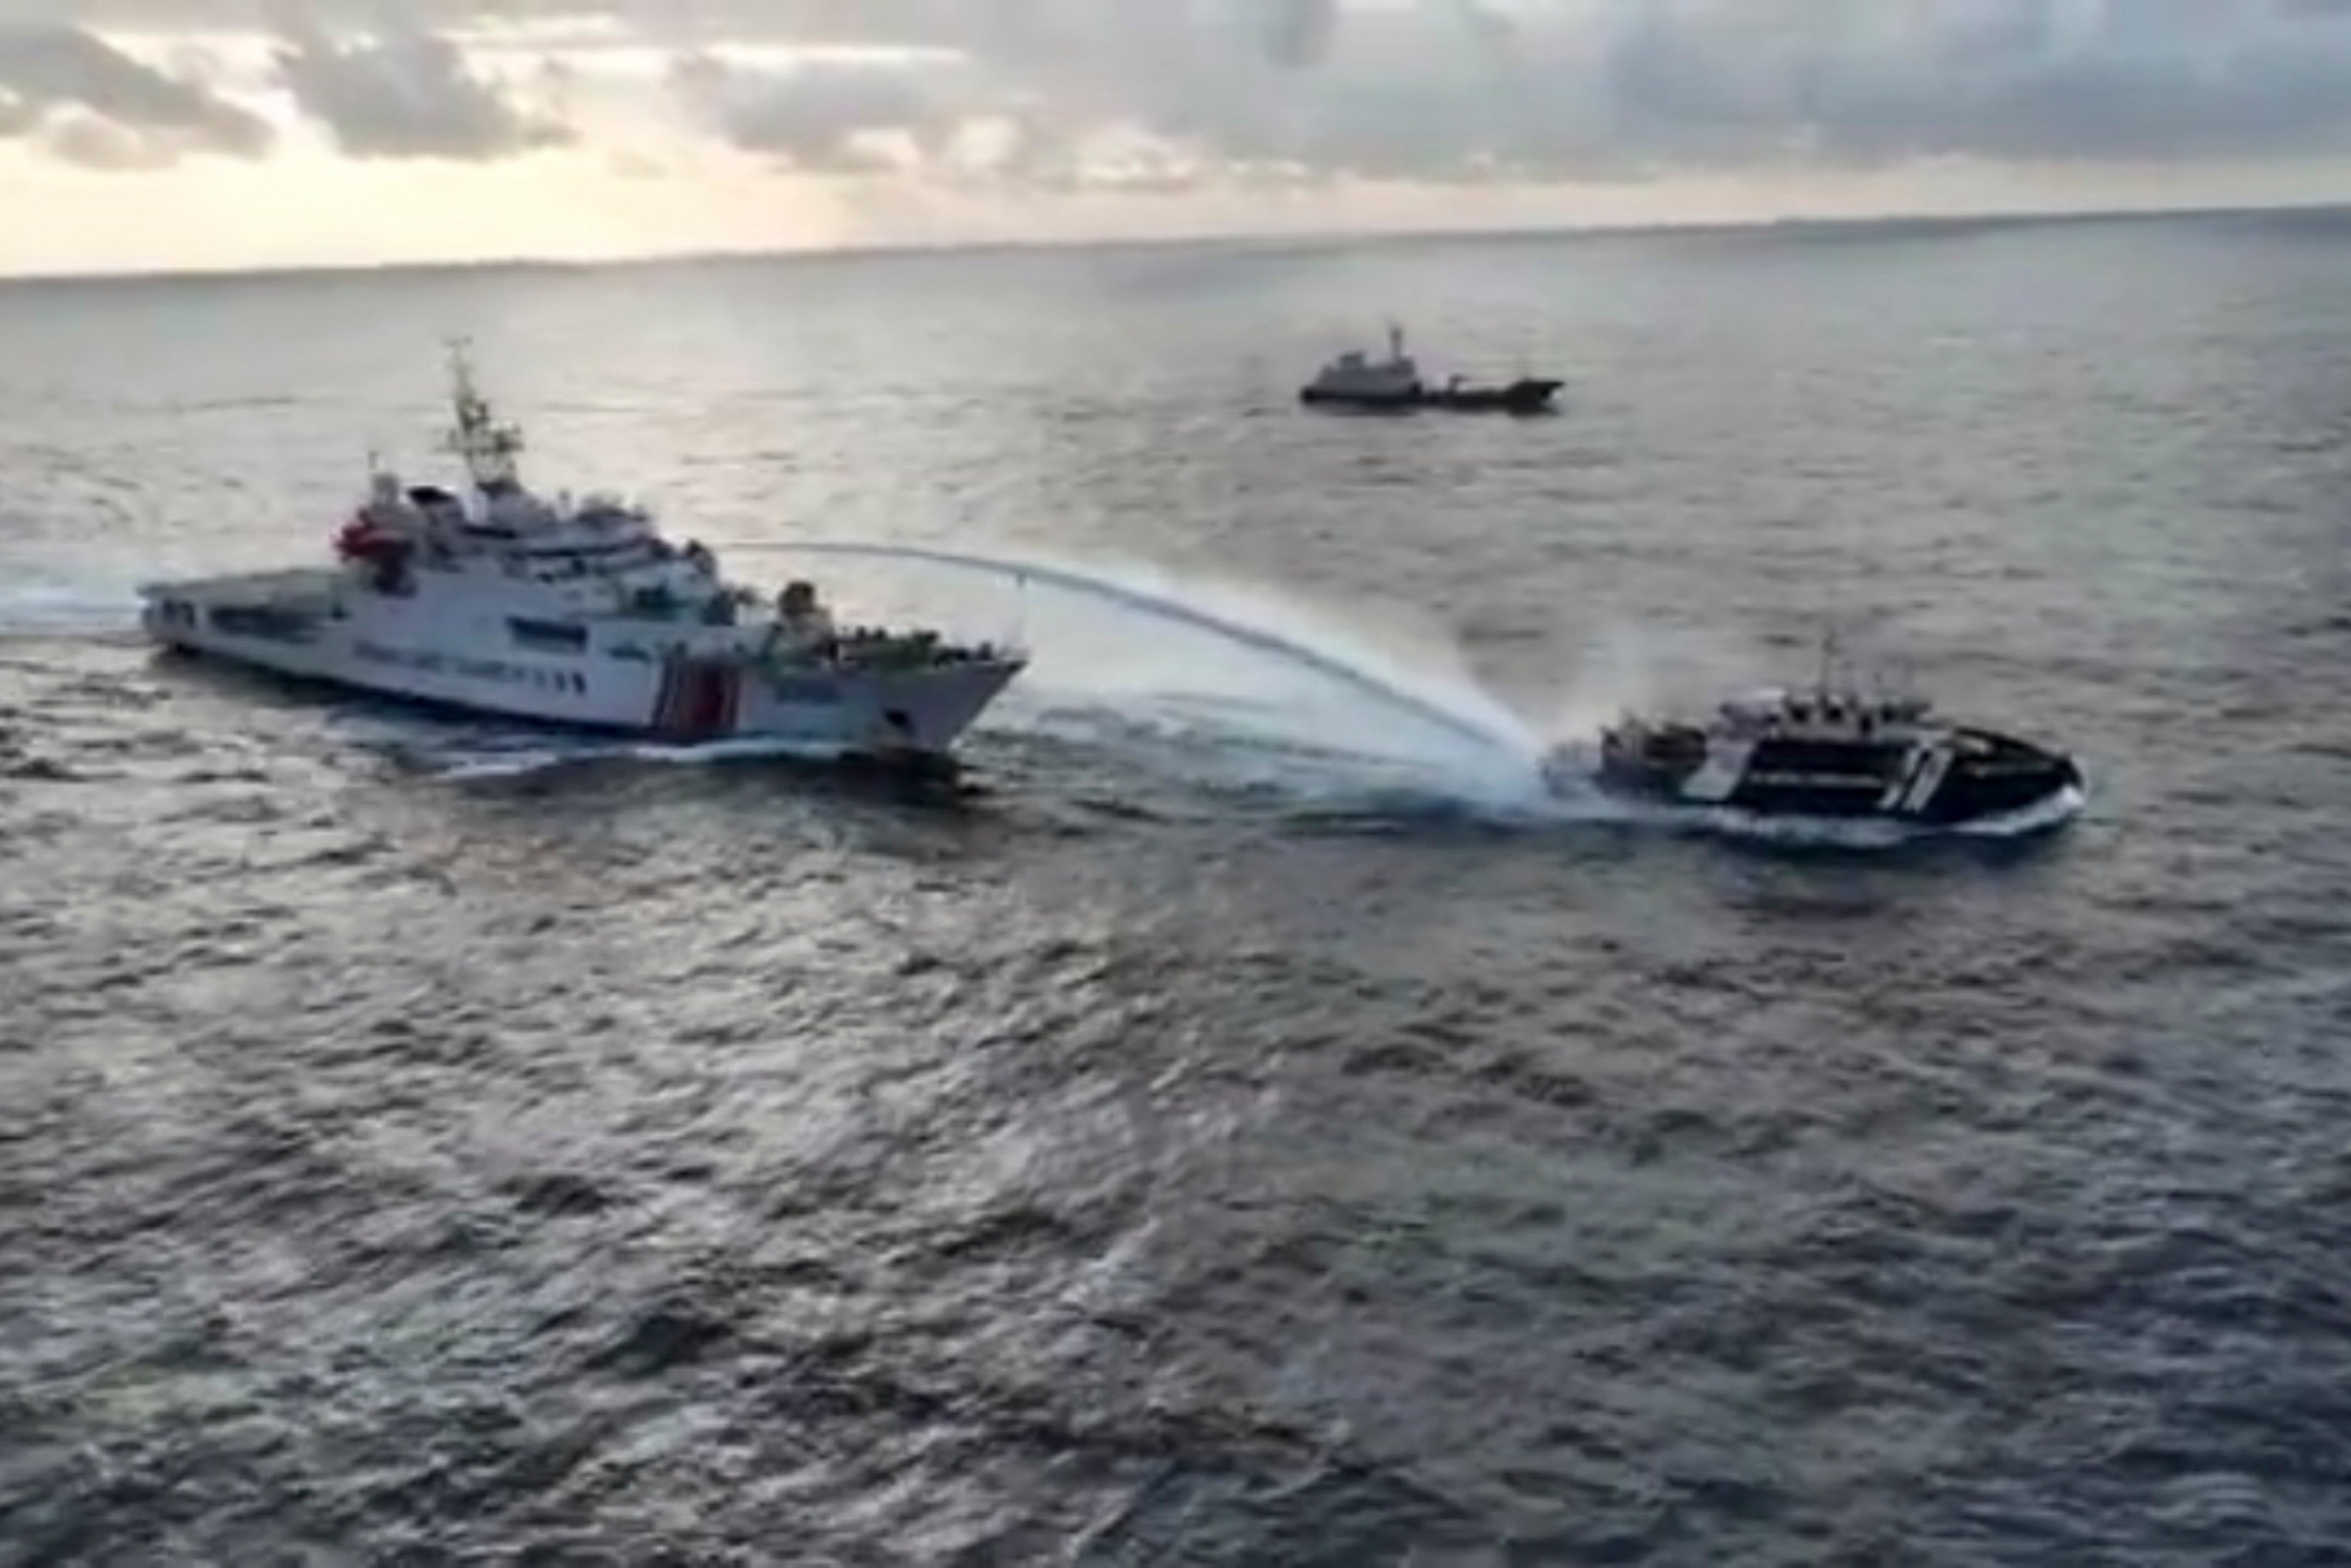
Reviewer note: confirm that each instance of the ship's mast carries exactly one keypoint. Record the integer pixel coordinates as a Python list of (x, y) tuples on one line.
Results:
[(487, 447)]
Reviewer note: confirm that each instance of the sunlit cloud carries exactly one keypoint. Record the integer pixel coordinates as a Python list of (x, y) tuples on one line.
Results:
[(89, 103), (408, 93), (988, 117)]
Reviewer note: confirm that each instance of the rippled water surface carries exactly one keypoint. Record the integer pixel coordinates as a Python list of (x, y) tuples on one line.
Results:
[(1244, 1122)]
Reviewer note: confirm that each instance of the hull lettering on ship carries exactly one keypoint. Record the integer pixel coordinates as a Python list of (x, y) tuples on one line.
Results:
[(404, 658), (431, 664), (810, 693)]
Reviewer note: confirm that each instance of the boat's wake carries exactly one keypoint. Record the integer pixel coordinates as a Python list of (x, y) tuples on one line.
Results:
[(1868, 835), (477, 764), (464, 752), (37, 607)]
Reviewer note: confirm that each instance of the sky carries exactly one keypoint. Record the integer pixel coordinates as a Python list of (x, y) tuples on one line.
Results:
[(170, 134)]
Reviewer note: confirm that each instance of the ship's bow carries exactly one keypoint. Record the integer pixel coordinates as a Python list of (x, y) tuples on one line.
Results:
[(925, 712), (2002, 775)]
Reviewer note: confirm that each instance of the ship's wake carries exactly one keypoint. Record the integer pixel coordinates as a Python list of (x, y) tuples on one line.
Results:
[(1867, 835), (480, 761), (38, 606), (466, 752)]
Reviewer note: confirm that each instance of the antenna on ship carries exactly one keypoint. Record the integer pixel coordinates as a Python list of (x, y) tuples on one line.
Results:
[(488, 447)]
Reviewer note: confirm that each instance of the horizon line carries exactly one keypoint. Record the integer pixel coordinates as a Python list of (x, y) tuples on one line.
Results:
[(1989, 217)]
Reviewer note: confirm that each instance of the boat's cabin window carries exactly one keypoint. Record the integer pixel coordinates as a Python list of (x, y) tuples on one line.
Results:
[(277, 623), (548, 636), (656, 600)]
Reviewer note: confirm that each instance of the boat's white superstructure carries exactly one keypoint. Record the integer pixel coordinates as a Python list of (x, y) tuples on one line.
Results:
[(1354, 376), (500, 601)]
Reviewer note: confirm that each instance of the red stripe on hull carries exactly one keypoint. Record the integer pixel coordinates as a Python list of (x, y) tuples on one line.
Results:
[(663, 717), (699, 700)]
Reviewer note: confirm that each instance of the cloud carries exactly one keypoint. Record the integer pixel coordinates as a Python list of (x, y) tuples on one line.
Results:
[(1542, 89), (2023, 81), (95, 143), (408, 94), (821, 116), (101, 107), (1168, 94), (1299, 33)]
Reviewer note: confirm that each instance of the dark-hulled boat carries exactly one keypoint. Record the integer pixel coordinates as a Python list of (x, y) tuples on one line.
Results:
[(1830, 752), (1356, 381), (1528, 394)]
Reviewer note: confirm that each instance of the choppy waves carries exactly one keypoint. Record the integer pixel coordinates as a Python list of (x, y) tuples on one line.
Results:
[(1232, 1128)]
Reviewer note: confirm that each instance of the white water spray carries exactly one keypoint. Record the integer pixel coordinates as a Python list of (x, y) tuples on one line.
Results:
[(1485, 723)]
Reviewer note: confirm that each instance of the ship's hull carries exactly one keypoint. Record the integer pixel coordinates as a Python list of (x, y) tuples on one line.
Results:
[(672, 696), (1941, 784), (1522, 397), (1530, 397), (1404, 402)]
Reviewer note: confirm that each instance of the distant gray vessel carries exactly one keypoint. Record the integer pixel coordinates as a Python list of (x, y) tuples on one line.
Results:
[(1354, 380)]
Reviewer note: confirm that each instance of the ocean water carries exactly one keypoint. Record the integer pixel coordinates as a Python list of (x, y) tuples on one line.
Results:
[(1245, 1121)]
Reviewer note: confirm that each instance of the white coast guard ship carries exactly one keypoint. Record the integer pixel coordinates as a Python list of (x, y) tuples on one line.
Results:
[(502, 602)]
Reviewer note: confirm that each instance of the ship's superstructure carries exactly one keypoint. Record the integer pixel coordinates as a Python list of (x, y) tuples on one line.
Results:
[(498, 600)]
